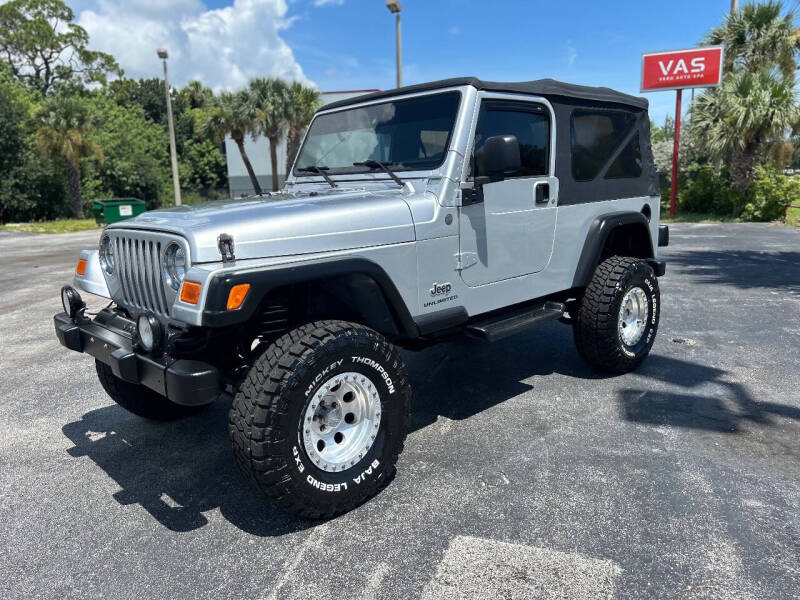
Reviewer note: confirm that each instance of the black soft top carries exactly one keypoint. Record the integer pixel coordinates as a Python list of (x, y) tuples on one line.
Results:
[(539, 87)]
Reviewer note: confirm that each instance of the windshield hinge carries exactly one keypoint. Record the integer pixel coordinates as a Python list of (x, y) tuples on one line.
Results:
[(465, 260), (225, 246)]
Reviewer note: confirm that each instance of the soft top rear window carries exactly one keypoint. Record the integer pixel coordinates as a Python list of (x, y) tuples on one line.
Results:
[(594, 136)]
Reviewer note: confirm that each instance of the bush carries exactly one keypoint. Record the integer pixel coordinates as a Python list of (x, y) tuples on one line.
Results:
[(769, 195), (706, 191)]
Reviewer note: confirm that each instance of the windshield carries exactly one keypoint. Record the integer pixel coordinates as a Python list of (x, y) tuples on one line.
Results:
[(408, 134)]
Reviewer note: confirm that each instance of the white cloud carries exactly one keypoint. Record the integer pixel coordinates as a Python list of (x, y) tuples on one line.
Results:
[(222, 47), (570, 52), (331, 2)]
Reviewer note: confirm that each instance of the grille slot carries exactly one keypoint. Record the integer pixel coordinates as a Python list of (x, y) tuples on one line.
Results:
[(139, 272)]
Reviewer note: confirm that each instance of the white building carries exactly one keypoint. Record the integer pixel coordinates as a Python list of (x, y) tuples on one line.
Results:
[(258, 153)]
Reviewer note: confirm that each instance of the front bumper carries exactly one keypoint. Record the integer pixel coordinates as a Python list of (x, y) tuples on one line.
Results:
[(110, 340)]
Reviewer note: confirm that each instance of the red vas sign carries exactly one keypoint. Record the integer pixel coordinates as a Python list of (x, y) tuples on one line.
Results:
[(698, 67)]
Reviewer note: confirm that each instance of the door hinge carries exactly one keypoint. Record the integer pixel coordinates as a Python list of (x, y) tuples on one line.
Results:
[(465, 260)]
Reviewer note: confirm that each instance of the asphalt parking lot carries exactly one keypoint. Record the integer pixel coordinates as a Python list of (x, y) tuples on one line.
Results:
[(525, 475)]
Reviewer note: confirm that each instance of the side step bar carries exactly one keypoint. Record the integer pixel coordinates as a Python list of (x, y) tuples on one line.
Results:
[(498, 327)]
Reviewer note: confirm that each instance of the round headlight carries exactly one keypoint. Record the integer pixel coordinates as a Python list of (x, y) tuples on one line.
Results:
[(107, 255), (148, 331), (174, 266)]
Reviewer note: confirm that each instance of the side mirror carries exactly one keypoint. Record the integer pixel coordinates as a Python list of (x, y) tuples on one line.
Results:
[(500, 155)]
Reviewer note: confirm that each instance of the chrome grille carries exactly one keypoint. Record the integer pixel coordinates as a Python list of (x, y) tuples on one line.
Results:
[(138, 269)]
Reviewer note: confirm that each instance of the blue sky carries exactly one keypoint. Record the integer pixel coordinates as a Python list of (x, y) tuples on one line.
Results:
[(349, 44)]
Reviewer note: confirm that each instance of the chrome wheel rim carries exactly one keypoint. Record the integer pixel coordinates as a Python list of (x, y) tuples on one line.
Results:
[(633, 315), (341, 421)]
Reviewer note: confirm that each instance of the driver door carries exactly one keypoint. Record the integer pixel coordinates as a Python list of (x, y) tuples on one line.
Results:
[(510, 233)]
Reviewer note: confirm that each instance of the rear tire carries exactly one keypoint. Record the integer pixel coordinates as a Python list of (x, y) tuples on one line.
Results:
[(320, 419), (612, 337), (140, 400)]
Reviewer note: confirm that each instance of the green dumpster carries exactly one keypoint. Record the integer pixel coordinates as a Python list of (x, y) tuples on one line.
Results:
[(117, 209)]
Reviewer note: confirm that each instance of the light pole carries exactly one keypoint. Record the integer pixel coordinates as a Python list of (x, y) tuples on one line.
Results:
[(395, 8), (163, 55)]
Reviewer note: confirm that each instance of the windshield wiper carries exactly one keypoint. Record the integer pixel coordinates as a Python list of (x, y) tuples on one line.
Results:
[(318, 171), (384, 166)]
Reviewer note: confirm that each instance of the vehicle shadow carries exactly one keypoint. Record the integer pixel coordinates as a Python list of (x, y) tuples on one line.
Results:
[(460, 379), (744, 269), (177, 471), (725, 410)]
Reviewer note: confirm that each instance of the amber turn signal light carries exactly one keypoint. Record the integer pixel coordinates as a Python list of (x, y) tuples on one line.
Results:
[(81, 268), (190, 292), (237, 295)]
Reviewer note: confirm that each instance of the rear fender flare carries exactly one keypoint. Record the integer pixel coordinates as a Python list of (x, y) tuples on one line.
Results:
[(596, 239)]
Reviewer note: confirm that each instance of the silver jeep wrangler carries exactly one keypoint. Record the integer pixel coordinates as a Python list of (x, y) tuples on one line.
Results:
[(411, 217)]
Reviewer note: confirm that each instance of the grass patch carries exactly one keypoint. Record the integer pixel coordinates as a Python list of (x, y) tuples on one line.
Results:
[(696, 218), (793, 218), (58, 226)]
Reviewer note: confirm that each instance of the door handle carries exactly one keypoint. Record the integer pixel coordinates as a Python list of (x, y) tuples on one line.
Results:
[(541, 192)]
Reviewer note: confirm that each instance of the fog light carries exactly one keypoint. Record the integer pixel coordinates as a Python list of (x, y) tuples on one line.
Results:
[(71, 301), (148, 332)]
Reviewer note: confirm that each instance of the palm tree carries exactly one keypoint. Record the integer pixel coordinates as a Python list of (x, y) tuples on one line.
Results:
[(303, 102), (756, 106), (63, 123), (196, 94), (744, 118), (758, 36), (231, 113), (270, 99)]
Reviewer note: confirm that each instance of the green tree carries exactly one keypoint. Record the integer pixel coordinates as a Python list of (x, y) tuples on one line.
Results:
[(302, 102), (269, 97), (231, 113), (44, 48), (145, 93), (195, 95), (758, 36), (202, 166), (741, 122), (14, 111), (135, 159), (63, 124)]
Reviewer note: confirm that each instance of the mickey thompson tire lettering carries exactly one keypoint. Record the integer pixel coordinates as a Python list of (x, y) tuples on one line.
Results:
[(595, 327), (269, 407)]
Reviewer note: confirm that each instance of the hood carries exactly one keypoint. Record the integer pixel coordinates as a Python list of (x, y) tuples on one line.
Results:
[(287, 223)]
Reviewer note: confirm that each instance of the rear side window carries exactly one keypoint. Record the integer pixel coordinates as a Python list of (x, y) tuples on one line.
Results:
[(595, 135), (530, 124), (629, 162)]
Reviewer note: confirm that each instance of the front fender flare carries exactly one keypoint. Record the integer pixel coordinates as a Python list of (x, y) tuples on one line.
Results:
[(265, 280)]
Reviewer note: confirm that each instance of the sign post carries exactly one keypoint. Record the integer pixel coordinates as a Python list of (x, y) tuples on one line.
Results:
[(673, 188), (676, 70)]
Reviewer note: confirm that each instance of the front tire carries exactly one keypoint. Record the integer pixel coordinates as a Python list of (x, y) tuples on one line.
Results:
[(617, 320), (320, 419), (140, 400)]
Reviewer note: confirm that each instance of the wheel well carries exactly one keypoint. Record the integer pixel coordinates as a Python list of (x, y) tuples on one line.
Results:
[(620, 234), (629, 239), (355, 297)]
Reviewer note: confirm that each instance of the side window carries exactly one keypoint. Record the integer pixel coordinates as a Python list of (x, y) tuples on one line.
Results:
[(595, 135), (628, 163), (530, 124)]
